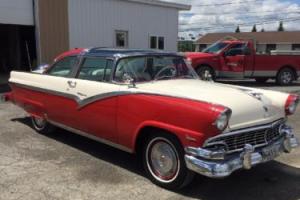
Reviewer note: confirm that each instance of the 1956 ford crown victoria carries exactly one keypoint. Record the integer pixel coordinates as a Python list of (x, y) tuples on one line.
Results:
[(153, 104)]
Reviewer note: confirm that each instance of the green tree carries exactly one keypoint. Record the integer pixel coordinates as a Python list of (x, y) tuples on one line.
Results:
[(280, 28), (237, 30), (254, 28)]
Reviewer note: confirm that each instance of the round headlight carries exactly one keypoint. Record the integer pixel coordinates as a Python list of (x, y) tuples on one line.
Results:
[(222, 121)]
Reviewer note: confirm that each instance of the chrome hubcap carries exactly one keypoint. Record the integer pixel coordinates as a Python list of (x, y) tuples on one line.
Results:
[(162, 160), (286, 77), (206, 75), (39, 122)]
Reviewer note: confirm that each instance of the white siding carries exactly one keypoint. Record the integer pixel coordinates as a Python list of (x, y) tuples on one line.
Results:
[(16, 12), (94, 22)]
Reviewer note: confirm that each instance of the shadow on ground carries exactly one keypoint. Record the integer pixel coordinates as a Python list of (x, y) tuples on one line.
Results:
[(272, 180), (4, 88)]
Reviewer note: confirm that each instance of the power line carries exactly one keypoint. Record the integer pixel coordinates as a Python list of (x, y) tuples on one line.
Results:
[(228, 3), (244, 24), (254, 12), (264, 17)]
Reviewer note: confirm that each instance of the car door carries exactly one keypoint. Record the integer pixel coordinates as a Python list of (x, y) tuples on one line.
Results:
[(234, 61), (97, 98), (61, 101)]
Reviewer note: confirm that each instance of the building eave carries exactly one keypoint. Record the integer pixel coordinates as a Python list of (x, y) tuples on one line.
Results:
[(163, 4)]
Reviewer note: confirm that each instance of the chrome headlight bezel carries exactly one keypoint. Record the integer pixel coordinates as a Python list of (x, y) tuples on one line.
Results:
[(222, 120)]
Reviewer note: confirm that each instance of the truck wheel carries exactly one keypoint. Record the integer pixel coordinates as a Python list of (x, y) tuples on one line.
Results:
[(261, 80), (206, 73), (286, 76), (163, 160), (41, 125)]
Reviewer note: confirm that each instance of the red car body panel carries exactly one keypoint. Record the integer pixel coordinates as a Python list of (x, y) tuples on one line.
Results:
[(121, 119)]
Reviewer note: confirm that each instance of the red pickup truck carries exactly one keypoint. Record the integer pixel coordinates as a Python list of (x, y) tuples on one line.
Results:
[(238, 59)]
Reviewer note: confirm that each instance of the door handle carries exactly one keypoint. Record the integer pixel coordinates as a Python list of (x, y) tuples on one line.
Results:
[(72, 84)]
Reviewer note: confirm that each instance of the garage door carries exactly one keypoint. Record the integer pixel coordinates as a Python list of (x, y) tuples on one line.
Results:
[(16, 12)]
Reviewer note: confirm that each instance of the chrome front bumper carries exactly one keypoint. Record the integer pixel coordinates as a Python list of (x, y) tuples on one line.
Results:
[(216, 164)]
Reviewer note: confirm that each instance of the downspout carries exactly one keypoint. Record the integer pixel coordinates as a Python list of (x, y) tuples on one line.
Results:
[(36, 18)]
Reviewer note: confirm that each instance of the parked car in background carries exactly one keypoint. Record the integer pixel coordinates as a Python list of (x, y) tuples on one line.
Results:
[(238, 59), (153, 104)]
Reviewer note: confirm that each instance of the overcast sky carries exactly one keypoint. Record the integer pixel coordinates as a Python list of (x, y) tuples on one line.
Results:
[(224, 15)]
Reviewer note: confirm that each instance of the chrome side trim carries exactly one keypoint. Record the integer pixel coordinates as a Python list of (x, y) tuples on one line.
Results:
[(90, 136), (90, 100), (85, 102)]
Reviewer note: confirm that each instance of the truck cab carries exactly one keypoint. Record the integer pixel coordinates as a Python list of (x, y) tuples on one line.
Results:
[(238, 59)]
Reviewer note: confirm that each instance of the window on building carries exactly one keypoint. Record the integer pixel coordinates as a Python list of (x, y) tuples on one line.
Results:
[(270, 47), (296, 47), (157, 42), (95, 69), (63, 67), (122, 39)]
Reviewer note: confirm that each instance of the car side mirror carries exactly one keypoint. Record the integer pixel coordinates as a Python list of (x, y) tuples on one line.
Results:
[(247, 51), (127, 79)]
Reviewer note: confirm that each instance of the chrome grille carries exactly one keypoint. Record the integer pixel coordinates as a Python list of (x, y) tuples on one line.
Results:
[(257, 137)]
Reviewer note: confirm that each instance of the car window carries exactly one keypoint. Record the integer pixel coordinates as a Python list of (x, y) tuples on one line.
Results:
[(134, 67), (95, 69), (143, 69), (63, 67)]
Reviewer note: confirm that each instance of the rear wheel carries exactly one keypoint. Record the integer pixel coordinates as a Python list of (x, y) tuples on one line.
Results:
[(41, 125), (285, 76), (261, 80), (163, 159), (206, 73)]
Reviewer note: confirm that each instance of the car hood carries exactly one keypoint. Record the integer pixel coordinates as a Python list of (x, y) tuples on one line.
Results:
[(250, 107)]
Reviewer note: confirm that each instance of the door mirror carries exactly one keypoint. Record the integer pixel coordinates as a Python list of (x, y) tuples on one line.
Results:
[(127, 79), (41, 68)]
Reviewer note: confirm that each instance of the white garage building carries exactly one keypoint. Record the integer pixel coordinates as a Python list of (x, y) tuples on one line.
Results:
[(37, 30)]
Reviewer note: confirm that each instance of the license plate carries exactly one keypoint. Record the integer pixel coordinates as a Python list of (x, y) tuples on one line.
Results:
[(271, 152)]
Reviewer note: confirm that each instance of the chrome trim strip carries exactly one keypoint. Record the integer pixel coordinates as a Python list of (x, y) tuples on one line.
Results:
[(87, 101), (92, 137)]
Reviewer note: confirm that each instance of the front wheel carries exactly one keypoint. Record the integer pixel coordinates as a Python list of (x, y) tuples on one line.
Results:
[(206, 73), (41, 125), (163, 159)]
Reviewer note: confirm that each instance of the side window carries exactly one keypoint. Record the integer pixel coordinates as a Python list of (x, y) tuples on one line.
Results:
[(95, 69), (63, 67)]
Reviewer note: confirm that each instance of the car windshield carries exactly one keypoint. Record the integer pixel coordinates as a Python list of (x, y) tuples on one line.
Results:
[(216, 47), (143, 69)]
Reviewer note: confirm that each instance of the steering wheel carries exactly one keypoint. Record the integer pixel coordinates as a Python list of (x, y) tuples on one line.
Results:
[(157, 76)]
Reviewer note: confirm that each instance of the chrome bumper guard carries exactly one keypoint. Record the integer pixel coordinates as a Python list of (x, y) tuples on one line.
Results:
[(216, 164)]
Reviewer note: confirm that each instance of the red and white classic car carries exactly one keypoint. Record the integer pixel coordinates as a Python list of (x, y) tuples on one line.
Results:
[(153, 104)]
